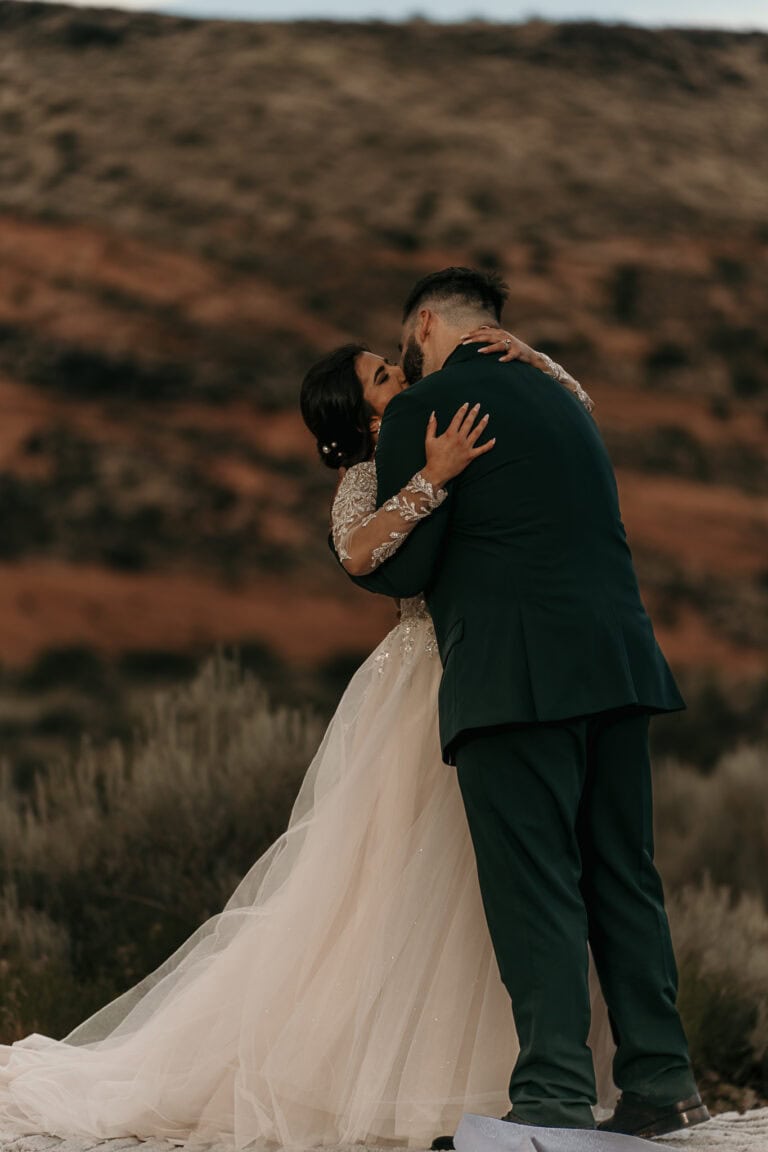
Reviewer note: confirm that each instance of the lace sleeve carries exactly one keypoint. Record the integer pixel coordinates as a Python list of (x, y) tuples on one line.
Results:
[(557, 372), (362, 535)]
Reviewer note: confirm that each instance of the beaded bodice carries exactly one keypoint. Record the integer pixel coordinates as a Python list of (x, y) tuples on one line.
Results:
[(415, 609), (414, 634)]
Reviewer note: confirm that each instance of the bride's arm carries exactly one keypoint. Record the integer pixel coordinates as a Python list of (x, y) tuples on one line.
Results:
[(363, 537), (497, 340)]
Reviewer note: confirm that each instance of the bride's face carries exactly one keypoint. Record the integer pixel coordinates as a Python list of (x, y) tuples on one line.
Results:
[(381, 380)]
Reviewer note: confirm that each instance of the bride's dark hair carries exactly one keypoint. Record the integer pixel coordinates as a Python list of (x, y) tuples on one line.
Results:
[(335, 410)]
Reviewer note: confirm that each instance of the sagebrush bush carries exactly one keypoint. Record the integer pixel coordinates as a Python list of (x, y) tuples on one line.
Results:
[(110, 861), (38, 990), (712, 850), (721, 947), (715, 825), (118, 856)]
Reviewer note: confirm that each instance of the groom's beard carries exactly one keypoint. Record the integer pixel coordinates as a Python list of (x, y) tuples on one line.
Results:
[(413, 361)]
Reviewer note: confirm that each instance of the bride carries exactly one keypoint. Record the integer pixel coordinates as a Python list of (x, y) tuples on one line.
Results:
[(348, 990)]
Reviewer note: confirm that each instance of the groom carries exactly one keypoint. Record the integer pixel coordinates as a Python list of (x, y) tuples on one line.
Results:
[(550, 673)]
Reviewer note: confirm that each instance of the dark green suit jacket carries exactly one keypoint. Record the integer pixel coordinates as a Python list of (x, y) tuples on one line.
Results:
[(525, 567)]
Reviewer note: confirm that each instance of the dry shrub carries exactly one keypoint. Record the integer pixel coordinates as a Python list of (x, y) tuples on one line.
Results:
[(715, 825), (117, 856), (712, 833), (722, 955), (38, 992), (113, 859)]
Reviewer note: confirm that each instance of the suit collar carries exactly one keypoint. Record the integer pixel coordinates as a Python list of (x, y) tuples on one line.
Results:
[(461, 354)]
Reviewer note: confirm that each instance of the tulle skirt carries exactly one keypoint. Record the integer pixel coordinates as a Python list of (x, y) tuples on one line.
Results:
[(348, 990)]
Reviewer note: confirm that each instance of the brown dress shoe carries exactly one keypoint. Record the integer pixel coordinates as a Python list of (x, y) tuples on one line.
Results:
[(638, 1116)]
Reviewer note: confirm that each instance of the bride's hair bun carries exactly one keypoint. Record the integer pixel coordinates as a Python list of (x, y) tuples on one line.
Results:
[(335, 410)]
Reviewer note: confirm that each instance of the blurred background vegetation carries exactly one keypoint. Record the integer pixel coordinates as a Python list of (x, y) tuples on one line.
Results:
[(190, 213), (111, 861)]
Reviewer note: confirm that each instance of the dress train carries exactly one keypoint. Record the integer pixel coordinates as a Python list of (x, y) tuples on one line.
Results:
[(347, 991)]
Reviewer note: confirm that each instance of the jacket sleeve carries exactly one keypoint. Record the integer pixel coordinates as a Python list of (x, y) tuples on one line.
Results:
[(400, 454)]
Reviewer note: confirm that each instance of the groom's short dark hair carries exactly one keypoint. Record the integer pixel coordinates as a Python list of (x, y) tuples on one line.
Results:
[(485, 291)]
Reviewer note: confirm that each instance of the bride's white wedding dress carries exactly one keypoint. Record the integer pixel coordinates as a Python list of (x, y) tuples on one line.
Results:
[(348, 991)]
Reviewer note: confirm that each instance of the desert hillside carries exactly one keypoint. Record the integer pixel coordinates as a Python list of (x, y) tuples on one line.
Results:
[(191, 211)]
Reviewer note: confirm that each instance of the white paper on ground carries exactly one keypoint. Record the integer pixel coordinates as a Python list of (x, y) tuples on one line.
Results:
[(487, 1134)]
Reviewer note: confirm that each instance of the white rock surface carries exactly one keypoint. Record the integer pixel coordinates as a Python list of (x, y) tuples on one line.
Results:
[(731, 1131), (728, 1132)]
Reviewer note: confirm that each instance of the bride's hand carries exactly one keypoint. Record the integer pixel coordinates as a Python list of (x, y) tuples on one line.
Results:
[(497, 340), (450, 453)]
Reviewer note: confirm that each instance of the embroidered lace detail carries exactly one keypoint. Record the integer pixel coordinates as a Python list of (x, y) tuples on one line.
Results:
[(557, 372), (415, 633), (355, 500), (355, 508), (413, 502)]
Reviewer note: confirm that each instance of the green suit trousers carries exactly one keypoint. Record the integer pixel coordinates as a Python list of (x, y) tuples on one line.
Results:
[(561, 822)]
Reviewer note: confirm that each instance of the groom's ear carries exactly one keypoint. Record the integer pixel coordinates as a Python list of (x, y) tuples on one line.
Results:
[(424, 324)]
